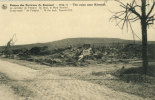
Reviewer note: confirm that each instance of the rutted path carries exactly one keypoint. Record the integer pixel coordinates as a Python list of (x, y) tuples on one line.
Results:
[(47, 86)]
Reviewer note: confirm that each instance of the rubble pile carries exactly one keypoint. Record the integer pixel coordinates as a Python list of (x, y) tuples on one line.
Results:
[(79, 56), (131, 51)]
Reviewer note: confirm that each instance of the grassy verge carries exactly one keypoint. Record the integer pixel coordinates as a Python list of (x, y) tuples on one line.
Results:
[(21, 91), (4, 79)]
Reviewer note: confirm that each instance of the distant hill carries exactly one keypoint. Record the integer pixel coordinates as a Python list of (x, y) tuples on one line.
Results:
[(78, 42)]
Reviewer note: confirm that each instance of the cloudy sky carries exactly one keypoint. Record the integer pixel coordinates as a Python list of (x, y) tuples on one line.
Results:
[(50, 26)]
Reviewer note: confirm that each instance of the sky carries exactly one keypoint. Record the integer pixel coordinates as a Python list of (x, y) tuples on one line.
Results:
[(33, 27)]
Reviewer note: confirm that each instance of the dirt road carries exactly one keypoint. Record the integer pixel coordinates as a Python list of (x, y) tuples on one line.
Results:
[(43, 85)]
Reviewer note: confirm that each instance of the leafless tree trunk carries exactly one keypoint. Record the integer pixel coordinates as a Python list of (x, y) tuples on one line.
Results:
[(130, 15), (144, 36)]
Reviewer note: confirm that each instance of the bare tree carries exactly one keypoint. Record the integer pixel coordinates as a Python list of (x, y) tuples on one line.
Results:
[(9, 44), (137, 10)]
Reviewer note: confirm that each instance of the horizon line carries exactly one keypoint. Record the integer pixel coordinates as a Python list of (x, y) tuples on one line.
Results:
[(74, 38)]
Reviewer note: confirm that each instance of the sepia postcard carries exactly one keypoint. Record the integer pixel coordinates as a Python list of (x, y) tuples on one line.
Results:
[(77, 49)]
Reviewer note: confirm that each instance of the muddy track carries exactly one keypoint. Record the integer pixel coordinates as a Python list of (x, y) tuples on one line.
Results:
[(46, 86)]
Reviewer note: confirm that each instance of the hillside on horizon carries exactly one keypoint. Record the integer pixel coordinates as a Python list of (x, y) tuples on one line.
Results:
[(78, 42)]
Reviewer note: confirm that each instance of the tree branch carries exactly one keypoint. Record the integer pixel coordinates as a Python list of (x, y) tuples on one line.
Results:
[(151, 9), (134, 11)]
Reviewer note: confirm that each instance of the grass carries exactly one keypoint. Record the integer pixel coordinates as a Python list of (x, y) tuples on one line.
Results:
[(98, 73), (151, 68), (4, 79), (22, 91)]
